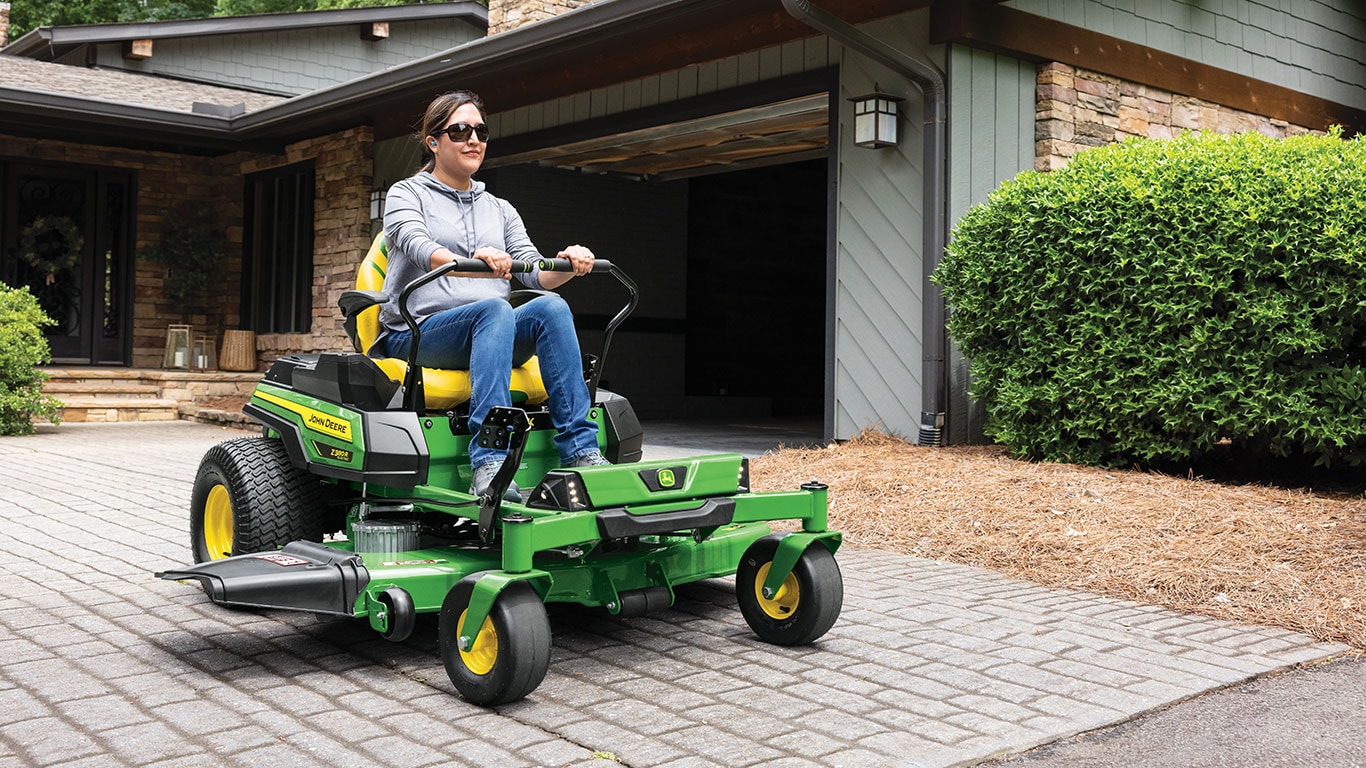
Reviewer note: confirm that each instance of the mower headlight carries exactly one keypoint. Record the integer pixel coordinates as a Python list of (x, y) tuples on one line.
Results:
[(562, 490), (744, 476)]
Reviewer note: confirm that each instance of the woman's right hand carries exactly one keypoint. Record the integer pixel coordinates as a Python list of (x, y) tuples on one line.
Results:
[(499, 261)]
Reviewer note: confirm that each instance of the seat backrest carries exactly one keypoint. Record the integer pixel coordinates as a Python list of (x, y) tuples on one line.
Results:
[(370, 277)]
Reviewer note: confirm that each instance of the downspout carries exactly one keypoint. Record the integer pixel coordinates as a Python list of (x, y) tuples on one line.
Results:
[(930, 80)]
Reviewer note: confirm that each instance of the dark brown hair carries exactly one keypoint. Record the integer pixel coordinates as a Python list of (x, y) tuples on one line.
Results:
[(438, 112)]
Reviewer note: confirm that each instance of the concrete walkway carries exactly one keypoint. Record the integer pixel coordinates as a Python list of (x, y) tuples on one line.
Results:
[(931, 664)]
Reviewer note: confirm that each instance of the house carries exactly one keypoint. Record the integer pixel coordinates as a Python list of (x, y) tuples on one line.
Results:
[(707, 146)]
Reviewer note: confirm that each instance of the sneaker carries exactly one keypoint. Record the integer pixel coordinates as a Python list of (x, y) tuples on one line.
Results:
[(483, 478), (591, 459)]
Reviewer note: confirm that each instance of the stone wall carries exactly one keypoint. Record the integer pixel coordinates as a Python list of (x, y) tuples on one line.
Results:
[(1076, 109), (343, 166), (163, 182), (510, 14), (4, 24)]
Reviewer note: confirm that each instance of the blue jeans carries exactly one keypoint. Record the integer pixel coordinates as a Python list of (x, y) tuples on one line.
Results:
[(489, 338)]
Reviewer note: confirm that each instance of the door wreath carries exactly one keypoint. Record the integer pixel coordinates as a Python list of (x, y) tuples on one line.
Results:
[(51, 244)]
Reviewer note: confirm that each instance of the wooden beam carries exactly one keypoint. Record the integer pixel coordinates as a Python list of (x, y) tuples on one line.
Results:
[(1034, 38)]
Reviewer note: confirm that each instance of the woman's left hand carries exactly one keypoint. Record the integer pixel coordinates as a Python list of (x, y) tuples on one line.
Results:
[(580, 257)]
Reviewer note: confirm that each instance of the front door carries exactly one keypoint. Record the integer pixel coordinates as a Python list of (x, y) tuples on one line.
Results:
[(65, 233)]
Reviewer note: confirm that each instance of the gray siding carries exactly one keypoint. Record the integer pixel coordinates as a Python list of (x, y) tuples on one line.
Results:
[(991, 139), (293, 61), (879, 260), (1317, 47)]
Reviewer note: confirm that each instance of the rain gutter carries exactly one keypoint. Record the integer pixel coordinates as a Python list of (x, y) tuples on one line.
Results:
[(67, 116), (930, 80)]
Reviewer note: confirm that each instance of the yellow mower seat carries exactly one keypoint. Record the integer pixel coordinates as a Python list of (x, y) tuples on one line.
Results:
[(442, 387)]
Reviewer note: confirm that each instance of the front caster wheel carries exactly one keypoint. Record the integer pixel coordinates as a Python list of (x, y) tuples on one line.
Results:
[(804, 607), (511, 650)]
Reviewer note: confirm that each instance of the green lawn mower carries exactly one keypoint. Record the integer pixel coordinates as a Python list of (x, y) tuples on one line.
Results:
[(352, 503)]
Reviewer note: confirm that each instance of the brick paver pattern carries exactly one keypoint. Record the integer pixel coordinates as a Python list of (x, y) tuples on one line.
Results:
[(930, 664)]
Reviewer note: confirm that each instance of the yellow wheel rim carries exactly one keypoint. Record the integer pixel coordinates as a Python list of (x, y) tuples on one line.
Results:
[(218, 523), (483, 652), (782, 604)]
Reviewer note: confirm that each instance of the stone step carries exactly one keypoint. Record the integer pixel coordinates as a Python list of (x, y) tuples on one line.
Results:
[(97, 393), (76, 409), (131, 387)]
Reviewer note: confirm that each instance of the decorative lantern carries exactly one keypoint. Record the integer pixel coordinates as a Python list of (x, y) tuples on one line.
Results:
[(875, 120), (177, 346), (203, 355)]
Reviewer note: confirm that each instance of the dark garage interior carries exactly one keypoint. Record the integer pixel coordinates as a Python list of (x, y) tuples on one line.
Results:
[(756, 292)]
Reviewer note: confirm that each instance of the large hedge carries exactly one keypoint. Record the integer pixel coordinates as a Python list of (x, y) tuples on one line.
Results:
[(1153, 298), (22, 347)]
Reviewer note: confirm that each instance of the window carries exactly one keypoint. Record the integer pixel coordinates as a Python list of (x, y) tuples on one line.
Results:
[(277, 251)]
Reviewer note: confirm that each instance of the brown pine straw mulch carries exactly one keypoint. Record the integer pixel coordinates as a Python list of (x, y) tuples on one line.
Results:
[(1246, 553)]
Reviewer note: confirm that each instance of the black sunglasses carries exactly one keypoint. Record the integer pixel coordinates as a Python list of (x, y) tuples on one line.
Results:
[(459, 132)]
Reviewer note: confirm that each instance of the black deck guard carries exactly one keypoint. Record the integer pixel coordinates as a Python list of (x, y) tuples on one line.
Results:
[(303, 576)]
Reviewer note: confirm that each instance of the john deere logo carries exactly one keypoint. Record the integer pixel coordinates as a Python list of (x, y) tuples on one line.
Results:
[(665, 479)]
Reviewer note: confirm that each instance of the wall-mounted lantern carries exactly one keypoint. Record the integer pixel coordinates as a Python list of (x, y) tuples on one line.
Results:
[(377, 203), (876, 121)]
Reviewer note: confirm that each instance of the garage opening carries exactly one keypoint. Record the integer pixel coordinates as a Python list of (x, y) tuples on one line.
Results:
[(756, 294), (732, 271)]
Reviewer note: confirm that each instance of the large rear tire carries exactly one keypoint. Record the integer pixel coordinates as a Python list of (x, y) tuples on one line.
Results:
[(511, 651), (248, 497), (804, 608)]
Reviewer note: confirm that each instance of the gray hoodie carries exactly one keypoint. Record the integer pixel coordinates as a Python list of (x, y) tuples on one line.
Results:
[(421, 214)]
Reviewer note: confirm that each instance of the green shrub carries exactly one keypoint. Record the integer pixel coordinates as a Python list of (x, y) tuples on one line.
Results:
[(22, 347), (1154, 297)]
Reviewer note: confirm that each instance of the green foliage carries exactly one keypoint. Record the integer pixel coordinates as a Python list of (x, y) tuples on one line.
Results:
[(22, 347), (165, 10), (334, 5), (26, 15), (189, 249), (1155, 297), (243, 7)]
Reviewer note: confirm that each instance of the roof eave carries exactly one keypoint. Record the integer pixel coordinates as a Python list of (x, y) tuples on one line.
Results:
[(85, 34), (29, 43), (40, 114)]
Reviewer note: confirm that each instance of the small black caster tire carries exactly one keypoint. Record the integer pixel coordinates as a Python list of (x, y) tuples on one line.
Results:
[(804, 608), (511, 652), (401, 616)]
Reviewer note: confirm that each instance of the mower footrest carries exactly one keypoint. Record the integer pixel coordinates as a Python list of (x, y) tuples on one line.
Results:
[(619, 522), (304, 576)]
